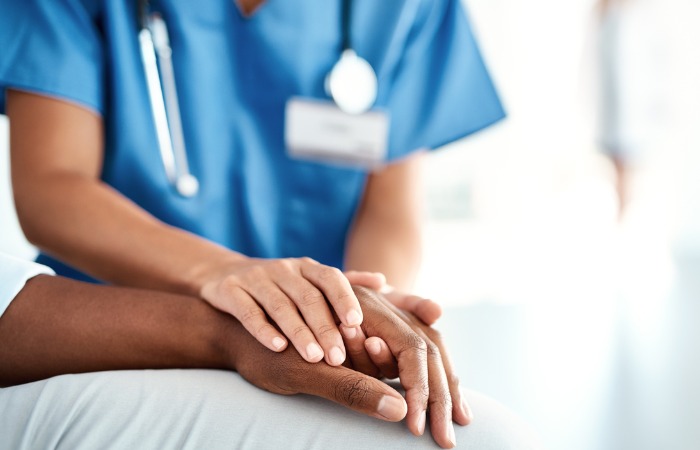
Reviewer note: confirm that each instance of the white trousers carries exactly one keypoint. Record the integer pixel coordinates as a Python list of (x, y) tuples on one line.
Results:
[(210, 409)]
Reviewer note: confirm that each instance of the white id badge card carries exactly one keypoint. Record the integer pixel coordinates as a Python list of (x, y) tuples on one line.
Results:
[(318, 130)]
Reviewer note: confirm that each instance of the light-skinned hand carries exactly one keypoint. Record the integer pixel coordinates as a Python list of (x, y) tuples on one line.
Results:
[(297, 294)]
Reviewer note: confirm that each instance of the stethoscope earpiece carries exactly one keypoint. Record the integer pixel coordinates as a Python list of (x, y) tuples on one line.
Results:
[(352, 83)]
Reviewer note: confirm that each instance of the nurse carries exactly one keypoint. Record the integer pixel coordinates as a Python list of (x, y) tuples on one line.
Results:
[(272, 216)]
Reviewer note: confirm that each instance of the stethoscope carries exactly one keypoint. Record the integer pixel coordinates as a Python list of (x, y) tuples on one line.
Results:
[(351, 83)]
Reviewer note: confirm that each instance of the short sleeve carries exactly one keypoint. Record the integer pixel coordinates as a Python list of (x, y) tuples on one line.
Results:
[(441, 90), (14, 273), (52, 47)]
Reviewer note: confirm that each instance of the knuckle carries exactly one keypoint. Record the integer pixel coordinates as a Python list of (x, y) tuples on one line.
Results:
[(424, 387), (327, 273), (253, 314), (278, 306), (415, 342), (352, 390), (262, 329), (440, 403), (283, 265), (311, 297), (325, 330), (300, 331), (288, 262), (346, 297), (229, 283), (433, 350), (307, 260), (453, 379)]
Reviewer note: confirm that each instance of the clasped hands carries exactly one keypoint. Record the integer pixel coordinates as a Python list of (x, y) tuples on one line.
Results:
[(389, 343)]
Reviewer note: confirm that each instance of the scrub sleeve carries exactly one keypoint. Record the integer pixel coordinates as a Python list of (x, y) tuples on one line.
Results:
[(440, 90), (53, 48)]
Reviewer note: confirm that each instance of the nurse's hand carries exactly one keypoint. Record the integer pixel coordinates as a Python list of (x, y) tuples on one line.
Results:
[(297, 294)]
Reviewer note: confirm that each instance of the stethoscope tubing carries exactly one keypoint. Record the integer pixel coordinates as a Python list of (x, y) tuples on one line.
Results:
[(162, 92), (156, 55)]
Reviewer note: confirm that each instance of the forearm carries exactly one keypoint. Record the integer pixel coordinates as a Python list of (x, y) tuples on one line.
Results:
[(97, 230), (67, 211), (386, 246), (386, 234), (57, 326)]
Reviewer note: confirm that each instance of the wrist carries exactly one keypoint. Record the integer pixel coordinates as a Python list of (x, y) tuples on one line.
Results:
[(211, 270)]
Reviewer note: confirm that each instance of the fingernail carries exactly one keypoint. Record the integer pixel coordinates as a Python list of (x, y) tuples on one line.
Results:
[(336, 356), (353, 318), (278, 343), (314, 351), (349, 332), (373, 347), (451, 433), (391, 408), (421, 423)]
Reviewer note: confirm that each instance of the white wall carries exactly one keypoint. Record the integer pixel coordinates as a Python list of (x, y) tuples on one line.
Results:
[(11, 238)]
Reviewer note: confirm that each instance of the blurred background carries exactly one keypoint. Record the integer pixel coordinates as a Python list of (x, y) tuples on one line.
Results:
[(565, 241)]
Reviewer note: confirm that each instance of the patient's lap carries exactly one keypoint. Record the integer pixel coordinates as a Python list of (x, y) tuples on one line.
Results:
[(212, 409)]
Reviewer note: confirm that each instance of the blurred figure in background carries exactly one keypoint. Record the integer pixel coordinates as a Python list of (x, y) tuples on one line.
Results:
[(625, 93)]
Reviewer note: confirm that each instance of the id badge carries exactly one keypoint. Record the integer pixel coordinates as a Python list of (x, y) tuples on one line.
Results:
[(318, 130)]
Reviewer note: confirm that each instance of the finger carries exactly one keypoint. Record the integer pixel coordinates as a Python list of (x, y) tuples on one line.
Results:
[(425, 309), (461, 412), (317, 314), (242, 306), (356, 391), (354, 339), (410, 351), (440, 399), (285, 314), (381, 356), (337, 290), (428, 311), (371, 280)]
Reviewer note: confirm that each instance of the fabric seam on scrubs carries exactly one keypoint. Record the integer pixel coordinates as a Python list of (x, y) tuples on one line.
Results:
[(68, 91)]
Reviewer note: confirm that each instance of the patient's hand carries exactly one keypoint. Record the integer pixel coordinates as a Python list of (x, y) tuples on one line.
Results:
[(425, 309), (56, 326), (425, 371), (288, 373), (412, 351)]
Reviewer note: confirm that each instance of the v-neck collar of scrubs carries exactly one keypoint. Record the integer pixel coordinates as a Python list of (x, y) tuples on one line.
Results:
[(249, 15)]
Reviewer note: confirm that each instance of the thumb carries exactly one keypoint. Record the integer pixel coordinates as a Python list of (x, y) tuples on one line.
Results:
[(425, 309), (356, 391), (372, 280)]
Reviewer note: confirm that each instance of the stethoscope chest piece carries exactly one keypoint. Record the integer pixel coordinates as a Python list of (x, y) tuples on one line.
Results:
[(187, 185), (352, 83)]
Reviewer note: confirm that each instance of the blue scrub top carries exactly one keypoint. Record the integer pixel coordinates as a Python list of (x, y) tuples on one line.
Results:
[(234, 75)]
